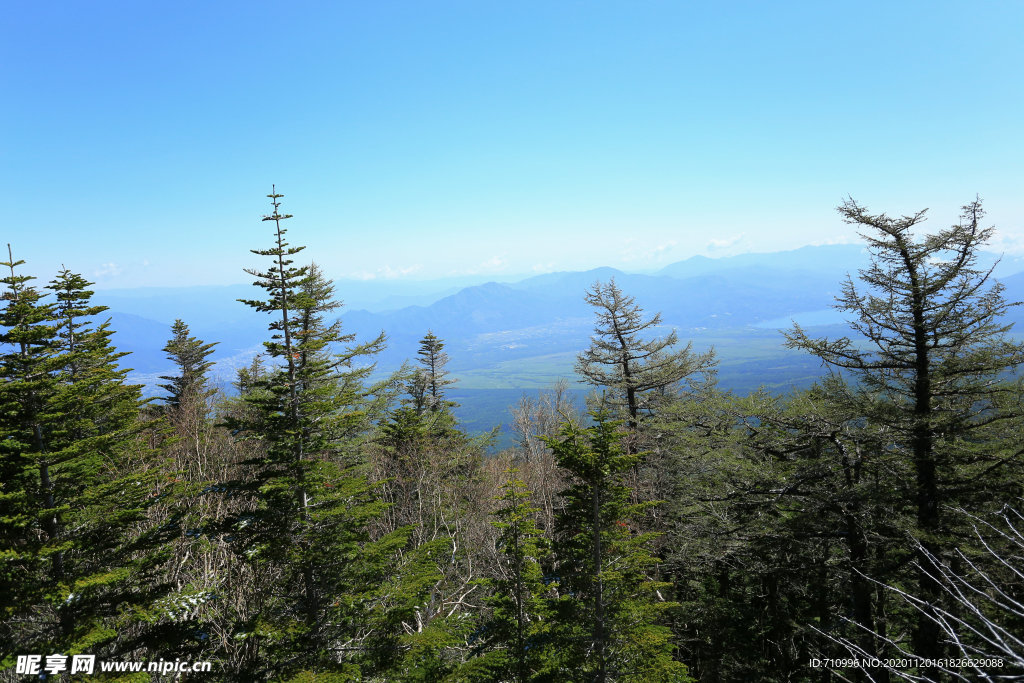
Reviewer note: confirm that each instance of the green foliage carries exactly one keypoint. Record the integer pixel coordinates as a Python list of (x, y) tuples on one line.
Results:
[(77, 557), (413, 634), (929, 360), (189, 355), (800, 505), (307, 533), (607, 617), (786, 506), (432, 472), (516, 634), (621, 357), (929, 352), (426, 386), (338, 535)]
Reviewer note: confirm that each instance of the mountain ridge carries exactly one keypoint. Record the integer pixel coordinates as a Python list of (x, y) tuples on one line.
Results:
[(526, 333)]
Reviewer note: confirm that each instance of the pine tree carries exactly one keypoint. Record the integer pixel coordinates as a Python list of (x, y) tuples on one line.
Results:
[(606, 627), (431, 470), (308, 533), (26, 487), (77, 481), (622, 357), (931, 352), (516, 634), (201, 457), (187, 406), (248, 378), (422, 448), (189, 355), (430, 380), (426, 411)]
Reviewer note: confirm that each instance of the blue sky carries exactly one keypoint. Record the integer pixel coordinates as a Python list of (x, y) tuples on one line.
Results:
[(428, 139)]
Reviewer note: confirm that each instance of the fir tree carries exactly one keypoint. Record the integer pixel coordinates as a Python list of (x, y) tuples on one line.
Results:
[(308, 533), (77, 478), (248, 378), (517, 632), (190, 356), (431, 379), (426, 409), (432, 469), (26, 487), (606, 627)]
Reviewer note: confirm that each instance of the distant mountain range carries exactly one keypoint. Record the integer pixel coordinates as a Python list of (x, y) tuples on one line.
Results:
[(520, 336)]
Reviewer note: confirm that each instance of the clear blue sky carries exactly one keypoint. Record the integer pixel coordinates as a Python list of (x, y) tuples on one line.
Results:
[(437, 138)]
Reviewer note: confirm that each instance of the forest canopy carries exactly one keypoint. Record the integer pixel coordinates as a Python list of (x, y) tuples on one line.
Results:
[(323, 521)]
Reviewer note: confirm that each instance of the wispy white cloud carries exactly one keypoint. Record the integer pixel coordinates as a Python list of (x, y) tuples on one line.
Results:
[(840, 239), (663, 248), (1006, 243), (635, 250), (362, 275), (386, 273), (725, 242), (493, 262), (490, 265), (389, 273), (108, 270)]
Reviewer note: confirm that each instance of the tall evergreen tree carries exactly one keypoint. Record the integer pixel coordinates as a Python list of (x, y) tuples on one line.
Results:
[(26, 488), (201, 455), (431, 378), (432, 473), (516, 634), (308, 534), (77, 482), (190, 356), (607, 623), (625, 359), (423, 447), (930, 354)]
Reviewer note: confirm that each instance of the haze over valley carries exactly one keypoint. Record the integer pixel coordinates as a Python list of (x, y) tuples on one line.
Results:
[(507, 339)]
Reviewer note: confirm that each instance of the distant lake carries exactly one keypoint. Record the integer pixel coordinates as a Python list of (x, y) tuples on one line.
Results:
[(825, 316)]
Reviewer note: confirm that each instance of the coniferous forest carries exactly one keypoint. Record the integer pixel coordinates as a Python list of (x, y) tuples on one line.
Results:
[(324, 522)]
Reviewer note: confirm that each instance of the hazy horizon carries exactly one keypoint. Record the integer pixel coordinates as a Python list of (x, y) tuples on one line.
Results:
[(402, 281)]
